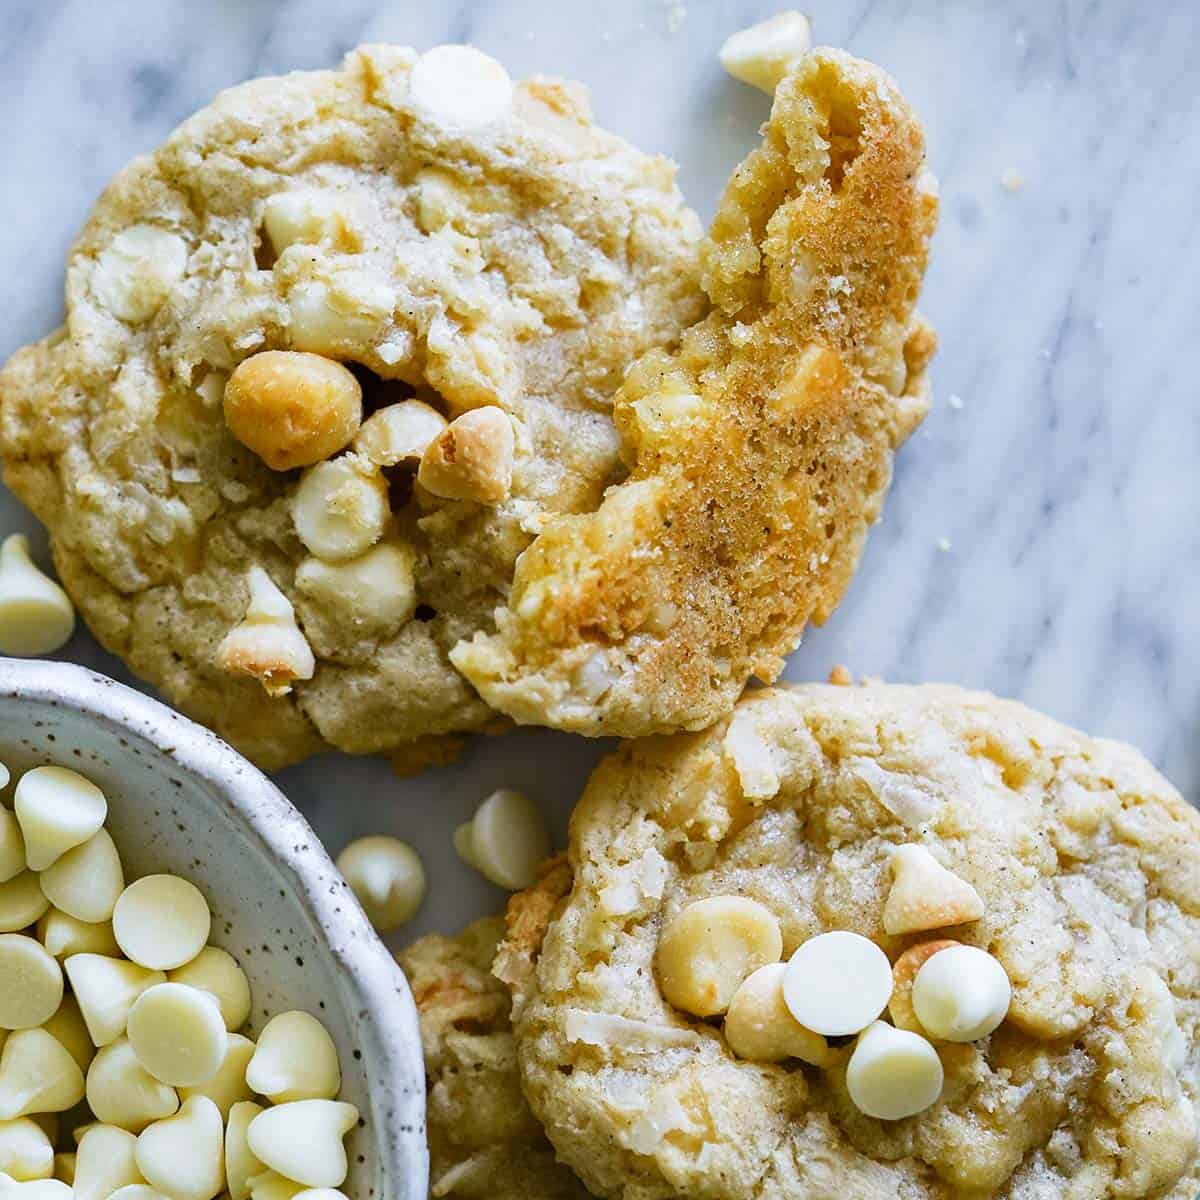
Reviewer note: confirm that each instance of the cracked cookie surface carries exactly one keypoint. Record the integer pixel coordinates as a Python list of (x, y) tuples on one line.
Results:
[(1087, 863), (516, 257)]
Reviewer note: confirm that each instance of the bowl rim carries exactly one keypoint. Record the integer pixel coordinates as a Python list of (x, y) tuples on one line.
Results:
[(372, 982)]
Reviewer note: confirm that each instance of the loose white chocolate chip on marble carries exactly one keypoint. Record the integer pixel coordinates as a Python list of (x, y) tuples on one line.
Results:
[(32, 983), (904, 971), (398, 433), (961, 994), (837, 983), (267, 643), (37, 1075), (104, 1162), (58, 809), (241, 1164), (22, 902), (763, 54), (228, 1086), (64, 935), (471, 459), (121, 1092), (506, 840), (36, 615), (68, 1027), (86, 881), (893, 1073), (710, 947), (340, 508), (295, 1060), (376, 592), (460, 88), (387, 877), (178, 1034), (215, 970), (161, 922), (184, 1155), (760, 1028), (25, 1151), (136, 271), (12, 846), (302, 1140), (307, 215), (105, 989), (925, 895)]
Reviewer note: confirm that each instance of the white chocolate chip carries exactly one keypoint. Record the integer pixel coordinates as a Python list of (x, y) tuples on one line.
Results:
[(340, 508), (904, 972), (321, 1194), (241, 1163), (64, 935), (471, 459), (161, 922), (506, 841), (924, 895), (12, 847), (303, 1140), (267, 643), (387, 877), (64, 1168), (58, 810), (267, 1185), (37, 1075), (121, 1092), (893, 1073), (961, 994), (323, 321), (398, 433), (177, 1034), (376, 592), (86, 881), (759, 1027), (710, 947), (137, 270), (138, 1191), (295, 1060), (44, 1189), (837, 983), (22, 902), (105, 989), (105, 1162), (25, 1151), (184, 1155), (33, 983), (68, 1028), (36, 615), (307, 215), (763, 54), (215, 970), (460, 88), (228, 1086)]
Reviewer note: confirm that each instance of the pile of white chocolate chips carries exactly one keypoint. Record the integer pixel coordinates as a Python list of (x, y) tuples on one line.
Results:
[(115, 1012), (721, 957)]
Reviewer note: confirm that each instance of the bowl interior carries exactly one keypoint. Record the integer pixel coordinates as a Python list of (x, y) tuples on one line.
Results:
[(182, 801)]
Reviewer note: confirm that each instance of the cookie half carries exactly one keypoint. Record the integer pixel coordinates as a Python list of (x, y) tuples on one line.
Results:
[(1068, 859)]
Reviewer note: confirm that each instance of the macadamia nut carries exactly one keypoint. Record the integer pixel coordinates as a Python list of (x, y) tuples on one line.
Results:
[(471, 459), (341, 508)]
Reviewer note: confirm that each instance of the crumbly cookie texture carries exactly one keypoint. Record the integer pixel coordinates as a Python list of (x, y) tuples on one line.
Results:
[(483, 1140), (463, 246), (760, 452), (1088, 866)]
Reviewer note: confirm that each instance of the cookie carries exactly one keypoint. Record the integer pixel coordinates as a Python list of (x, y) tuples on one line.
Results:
[(269, 320), (758, 453), (1068, 859), (483, 1140)]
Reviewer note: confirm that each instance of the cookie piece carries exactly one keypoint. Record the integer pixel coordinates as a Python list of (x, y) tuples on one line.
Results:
[(483, 1140), (760, 452), (1087, 864), (457, 240)]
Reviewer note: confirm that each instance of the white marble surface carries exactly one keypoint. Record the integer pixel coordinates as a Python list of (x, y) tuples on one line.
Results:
[(1042, 537)]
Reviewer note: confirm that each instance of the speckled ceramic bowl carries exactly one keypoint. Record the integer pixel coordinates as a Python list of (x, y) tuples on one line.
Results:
[(181, 800)]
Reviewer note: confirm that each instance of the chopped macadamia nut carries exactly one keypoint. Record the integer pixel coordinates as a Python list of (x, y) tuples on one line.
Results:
[(183, 1156), (924, 895), (325, 320), (459, 87), (267, 644), (471, 459), (710, 947), (759, 1027), (31, 983), (295, 1060), (86, 881), (36, 615), (291, 408), (506, 840), (387, 877), (177, 1034), (309, 215), (161, 922), (764, 53), (341, 508), (215, 970), (58, 809), (137, 271), (37, 1075), (837, 983), (398, 433), (904, 971), (961, 994), (892, 1073), (303, 1140)]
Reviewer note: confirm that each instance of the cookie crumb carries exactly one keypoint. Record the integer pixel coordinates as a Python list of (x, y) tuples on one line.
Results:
[(840, 676), (955, 401)]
